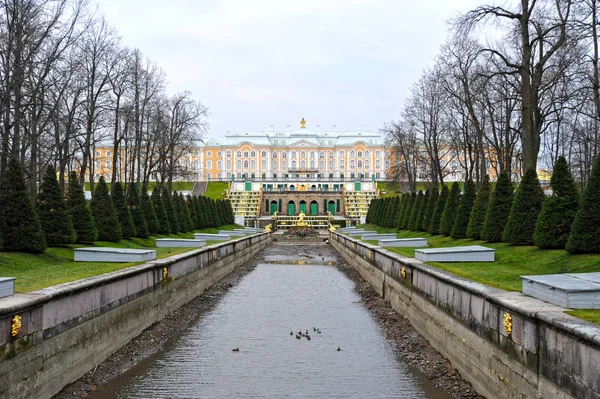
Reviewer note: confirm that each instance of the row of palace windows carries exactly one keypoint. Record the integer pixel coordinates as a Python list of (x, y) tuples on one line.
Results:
[(312, 154)]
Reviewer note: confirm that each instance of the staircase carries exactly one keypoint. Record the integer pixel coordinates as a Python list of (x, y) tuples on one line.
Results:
[(199, 188), (245, 203), (357, 202)]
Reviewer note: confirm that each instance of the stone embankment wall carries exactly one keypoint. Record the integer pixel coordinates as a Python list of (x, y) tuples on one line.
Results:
[(68, 329), (548, 354)]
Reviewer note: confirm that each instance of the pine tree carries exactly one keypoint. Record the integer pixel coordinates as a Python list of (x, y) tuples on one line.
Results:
[(479, 210), (168, 203), (558, 210), (123, 212), (461, 221), (414, 213), (440, 205), (149, 212), (450, 210), (498, 210), (230, 212), (20, 228), (105, 215), (218, 221), (164, 227), (53, 213), (201, 223), (401, 209), (422, 210), (585, 232), (411, 201), (80, 212), (524, 210), (137, 211), (189, 224), (192, 209), (429, 211)]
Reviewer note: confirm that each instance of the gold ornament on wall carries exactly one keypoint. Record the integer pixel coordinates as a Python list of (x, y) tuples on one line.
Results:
[(16, 325), (403, 272), (165, 272), (371, 255), (214, 254), (508, 323)]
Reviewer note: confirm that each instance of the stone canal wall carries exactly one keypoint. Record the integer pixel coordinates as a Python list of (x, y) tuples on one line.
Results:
[(70, 328), (548, 354)]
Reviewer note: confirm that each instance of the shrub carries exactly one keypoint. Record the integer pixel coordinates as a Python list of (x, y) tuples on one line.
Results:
[(215, 211), (123, 212), (422, 209), (558, 210), (171, 213), (477, 216), (433, 197), (585, 233), (185, 214), (410, 203), (414, 212), (498, 210), (401, 209), (81, 213), (436, 218), (54, 215), (20, 228), (149, 212), (164, 227), (105, 215), (524, 211), (137, 211), (461, 221), (450, 210)]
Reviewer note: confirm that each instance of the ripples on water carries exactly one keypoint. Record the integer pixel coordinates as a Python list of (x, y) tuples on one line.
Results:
[(257, 316)]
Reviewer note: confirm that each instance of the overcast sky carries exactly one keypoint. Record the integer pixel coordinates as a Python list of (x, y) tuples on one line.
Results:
[(257, 63)]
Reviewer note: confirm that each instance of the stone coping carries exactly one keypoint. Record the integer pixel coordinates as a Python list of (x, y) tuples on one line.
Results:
[(18, 302), (510, 300)]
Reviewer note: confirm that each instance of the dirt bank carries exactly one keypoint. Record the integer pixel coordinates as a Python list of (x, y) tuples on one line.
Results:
[(412, 348)]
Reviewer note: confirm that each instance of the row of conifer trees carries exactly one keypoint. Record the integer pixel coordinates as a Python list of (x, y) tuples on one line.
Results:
[(55, 220), (494, 214)]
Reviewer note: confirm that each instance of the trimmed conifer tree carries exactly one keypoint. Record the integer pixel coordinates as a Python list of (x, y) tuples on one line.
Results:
[(433, 197), (192, 209), (215, 210), (585, 232), (411, 200), (558, 210), (450, 210), (20, 228), (199, 213), (161, 214), (461, 221), (480, 206), (440, 205), (422, 210), (414, 213), (498, 210), (168, 203), (149, 212), (80, 212), (189, 224), (137, 211), (53, 213), (524, 211), (230, 212), (122, 209), (105, 215), (401, 209)]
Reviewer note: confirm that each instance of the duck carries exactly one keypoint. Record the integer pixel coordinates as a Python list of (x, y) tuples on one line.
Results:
[(314, 329), (339, 349), (235, 350), (306, 332), (297, 337), (318, 331), (291, 333), (308, 337)]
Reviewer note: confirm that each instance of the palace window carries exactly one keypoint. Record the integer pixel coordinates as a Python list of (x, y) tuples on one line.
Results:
[(219, 154), (367, 164), (312, 164), (321, 155), (208, 164), (238, 154), (107, 164), (342, 164), (98, 164), (387, 154), (274, 155), (274, 165), (330, 164), (195, 153), (219, 164), (360, 154), (209, 154), (283, 164), (253, 154), (387, 164), (263, 154), (352, 164), (293, 154), (245, 154), (377, 164), (352, 154), (321, 164), (246, 164), (377, 154), (108, 154), (228, 154), (264, 164), (367, 154), (209, 176), (253, 164), (341, 153), (312, 154), (196, 164), (228, 175), (238, 164), (284, 154), (228, 164), (359, 164), (303, 164), (293, 164), (303, 155)]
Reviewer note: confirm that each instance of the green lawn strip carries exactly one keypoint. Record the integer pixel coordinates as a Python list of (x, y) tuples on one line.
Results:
[(56, 265), (216, 190), (177, 185), (591, 315), (511, 263)]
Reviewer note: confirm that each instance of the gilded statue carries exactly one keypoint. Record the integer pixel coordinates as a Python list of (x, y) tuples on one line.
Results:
[(268, 228), (303, 124), (301, 222)]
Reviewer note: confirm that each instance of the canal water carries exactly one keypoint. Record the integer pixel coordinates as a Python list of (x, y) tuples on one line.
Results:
[(296, 289)]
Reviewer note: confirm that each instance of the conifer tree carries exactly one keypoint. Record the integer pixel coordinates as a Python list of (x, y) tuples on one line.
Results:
[(401, 209), (479, 210), (450, 210), (218, 221), (123, 212), (168, 203), (189, 224), (431, 203), (422, 210), (149, 212), (440, 205), (230, 212), (558, 210), (498, 210), (414, 213), (137, 211), (585, 232), (161, 214), (461, 221), (20, 228), (524, 211), (191, 205), (408, 211), (80, 212), (53, 213), (199, 214), (105, 215)]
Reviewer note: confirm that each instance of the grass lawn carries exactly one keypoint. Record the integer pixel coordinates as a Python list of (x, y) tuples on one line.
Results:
[(56, 265), (216, 190), (511, 263), (177, 185)]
